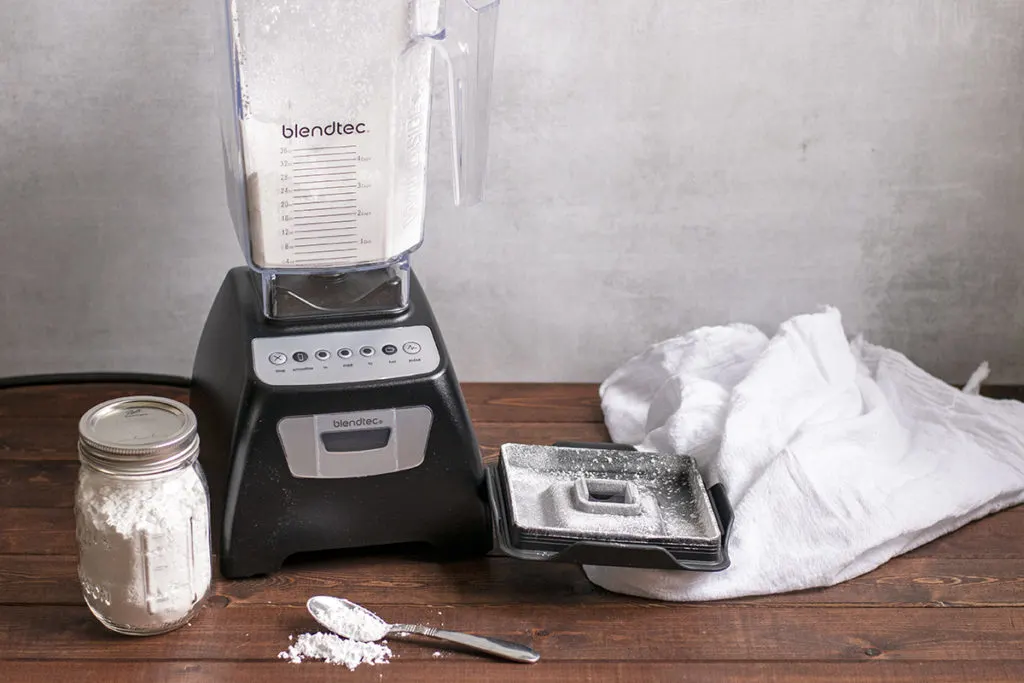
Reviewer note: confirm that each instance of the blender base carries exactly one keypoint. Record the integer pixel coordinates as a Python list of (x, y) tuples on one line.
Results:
[(332, 434)]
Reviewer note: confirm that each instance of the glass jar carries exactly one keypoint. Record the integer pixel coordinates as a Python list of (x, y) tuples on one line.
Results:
[(142, 515)]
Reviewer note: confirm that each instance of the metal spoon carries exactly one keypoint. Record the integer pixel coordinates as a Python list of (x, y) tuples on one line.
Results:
[(352, 621)]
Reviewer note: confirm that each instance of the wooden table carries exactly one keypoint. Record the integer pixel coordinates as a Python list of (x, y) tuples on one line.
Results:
[(950, 611)]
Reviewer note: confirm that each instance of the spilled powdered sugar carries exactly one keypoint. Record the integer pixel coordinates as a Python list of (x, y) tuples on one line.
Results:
[(350, 643), (333, 649)]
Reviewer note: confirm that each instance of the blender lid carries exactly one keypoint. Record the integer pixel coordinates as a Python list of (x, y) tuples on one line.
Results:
[(607, 504)]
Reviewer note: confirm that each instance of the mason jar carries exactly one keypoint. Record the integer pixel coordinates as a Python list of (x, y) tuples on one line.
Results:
[(142, 515)]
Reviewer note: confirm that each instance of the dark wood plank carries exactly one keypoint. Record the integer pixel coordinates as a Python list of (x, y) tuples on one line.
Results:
[(509, 402), (37, 531), (52, 580), (446, 670), (72, 400), (1006, 392), (610, 632), (47, 438), (491, 435), (525, 402), (1000, 535), (38, 438), (38, 484)]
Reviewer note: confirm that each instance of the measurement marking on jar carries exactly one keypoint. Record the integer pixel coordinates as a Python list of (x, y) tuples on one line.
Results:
[(192, 555), (320, 155), (329, 251), (321, 243), (316, 216), (326, 156), (306, 149), (318, 195), (344, 205), (319, 201), (324, 187), (327, 165), (328, 215), (322, 166), (322, 238), (344, 220), (300, 162), (147, 580), (320, 161), (322, 175), (336, 205), (304, 230), (329, 180)]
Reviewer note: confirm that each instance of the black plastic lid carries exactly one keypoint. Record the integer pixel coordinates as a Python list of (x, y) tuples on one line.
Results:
[(568, 546)]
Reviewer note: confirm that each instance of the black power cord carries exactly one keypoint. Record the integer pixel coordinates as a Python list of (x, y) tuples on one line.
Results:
[(95, 378)]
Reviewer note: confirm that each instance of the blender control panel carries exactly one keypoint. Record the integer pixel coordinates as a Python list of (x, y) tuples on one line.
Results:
[(345, 357)]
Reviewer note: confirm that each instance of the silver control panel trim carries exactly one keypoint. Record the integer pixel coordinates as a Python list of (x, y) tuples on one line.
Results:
[(307, 441), (345, 357)]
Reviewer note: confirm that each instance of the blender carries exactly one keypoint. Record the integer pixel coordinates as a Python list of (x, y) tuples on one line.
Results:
[(329, 412)]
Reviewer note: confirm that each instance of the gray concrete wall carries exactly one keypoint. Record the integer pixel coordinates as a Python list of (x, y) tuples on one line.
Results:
[(654, 166)]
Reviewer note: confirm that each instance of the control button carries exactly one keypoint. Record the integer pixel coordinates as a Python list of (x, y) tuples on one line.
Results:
[(344, 353), (322, 354), (300, 356), (367, 351), (389, 349), (411, 347), (278, 358)]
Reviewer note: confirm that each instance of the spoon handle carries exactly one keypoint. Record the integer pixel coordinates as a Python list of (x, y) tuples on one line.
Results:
[(494, 646)]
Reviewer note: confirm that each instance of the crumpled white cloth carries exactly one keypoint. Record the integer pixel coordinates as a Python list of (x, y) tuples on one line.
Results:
[(835, 455)]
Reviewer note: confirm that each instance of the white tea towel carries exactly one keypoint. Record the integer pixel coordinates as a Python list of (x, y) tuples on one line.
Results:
[(835, 455)]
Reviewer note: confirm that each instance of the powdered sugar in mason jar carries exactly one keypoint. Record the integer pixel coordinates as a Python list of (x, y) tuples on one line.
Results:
[(142, 515)]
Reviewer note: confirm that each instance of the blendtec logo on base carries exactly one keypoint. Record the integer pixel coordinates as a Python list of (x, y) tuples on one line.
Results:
[(359, 422), (335, 128)]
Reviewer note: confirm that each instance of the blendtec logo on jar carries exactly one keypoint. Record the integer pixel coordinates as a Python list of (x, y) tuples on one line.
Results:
[(335, 128)]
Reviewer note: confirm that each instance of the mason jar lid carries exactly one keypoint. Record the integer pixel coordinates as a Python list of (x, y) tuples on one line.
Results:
[(138, 435)]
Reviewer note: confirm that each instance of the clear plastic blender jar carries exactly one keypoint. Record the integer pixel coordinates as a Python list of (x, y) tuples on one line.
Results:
[(326, 134)]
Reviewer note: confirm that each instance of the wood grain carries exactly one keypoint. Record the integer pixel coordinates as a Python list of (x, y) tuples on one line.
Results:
[(952, 610), (38, 484), (37, 531), (904, 582), (616, 632), (446, 670)]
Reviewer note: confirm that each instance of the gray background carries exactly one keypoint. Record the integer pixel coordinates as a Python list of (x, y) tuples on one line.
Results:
[(655, 166)]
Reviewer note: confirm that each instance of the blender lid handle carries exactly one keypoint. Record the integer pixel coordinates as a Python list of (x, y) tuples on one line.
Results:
[(470, 32)]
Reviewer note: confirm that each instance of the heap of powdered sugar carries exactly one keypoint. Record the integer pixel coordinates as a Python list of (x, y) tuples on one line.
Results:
[(333, 649), (351, 643)]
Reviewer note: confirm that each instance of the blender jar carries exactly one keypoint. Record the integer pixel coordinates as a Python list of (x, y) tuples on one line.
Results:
[(326, 137)]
